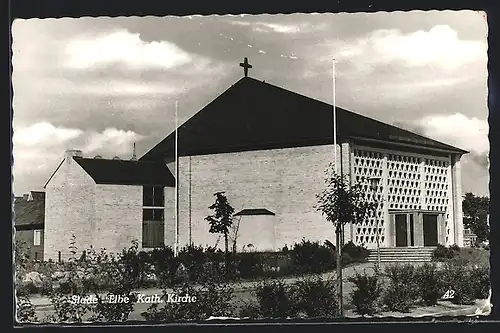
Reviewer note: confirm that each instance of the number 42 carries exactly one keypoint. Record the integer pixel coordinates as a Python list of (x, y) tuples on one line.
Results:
[(449, 294)]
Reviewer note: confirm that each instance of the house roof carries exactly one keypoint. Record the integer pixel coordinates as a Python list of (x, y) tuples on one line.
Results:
[(254, 211), (126, 172), (254, 115), (30, 212)]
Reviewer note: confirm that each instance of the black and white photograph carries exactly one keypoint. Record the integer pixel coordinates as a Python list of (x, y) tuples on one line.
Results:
[(191, 168)]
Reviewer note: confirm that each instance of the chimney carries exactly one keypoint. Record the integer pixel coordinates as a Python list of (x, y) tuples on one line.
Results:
[(70, 153), (134, 156)]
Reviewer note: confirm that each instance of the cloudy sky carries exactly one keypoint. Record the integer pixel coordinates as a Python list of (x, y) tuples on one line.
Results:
[(100, 84)]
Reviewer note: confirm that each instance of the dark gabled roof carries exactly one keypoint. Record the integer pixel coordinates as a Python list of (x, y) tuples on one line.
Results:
[(31, 212), (38, 195), (255, 211), (254, 115), (126, 172)]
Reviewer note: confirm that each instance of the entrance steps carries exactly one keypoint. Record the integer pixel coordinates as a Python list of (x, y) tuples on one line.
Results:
[(402, 254)]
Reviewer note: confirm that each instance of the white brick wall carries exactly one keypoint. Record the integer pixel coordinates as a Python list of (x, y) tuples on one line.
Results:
[(69, 209), (104, 216), (283, 181), (118, 217)]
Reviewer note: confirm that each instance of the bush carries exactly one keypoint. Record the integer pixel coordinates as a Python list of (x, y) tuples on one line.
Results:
[(481, 280), (249, 309), (25, 311), (274, 299), (459, 281), (444, 253), (365, 296), (250, 265), (346, 259), (193, 258), (213, 299), (402, 291), (357, 253), (84, 278), (311, 257), (314, 297), (164, 265), (429, 283), (473, 256)]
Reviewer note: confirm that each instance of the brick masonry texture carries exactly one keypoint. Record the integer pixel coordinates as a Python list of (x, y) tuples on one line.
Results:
[(283, 181), (104, 216), (118, 216), (69, 209)]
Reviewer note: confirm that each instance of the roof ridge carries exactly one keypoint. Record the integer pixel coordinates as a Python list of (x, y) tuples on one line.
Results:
[(348, 111), (284, 104)]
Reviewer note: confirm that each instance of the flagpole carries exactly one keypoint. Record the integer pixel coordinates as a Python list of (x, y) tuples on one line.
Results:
[(339, 228), (176, 245), (334, 118)]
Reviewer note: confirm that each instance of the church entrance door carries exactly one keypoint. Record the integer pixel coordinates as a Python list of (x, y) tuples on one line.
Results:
[(401, 230), (430, 229)]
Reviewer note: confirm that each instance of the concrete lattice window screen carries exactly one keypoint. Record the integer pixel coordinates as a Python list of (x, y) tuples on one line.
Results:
[(404, 182), (438, 189), (369, 164)]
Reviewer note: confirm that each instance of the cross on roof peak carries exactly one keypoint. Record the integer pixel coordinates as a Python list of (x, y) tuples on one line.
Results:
[(245, 66)]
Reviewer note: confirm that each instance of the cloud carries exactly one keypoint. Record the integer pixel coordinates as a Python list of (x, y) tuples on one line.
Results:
[(113, 87), (111, 140), (45, 134), (458, 129), (281, 28), (39, 147), (440, 46), (123, 47), (454, 129)]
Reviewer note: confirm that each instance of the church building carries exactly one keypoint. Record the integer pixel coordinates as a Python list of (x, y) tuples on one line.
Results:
[(267, 149)]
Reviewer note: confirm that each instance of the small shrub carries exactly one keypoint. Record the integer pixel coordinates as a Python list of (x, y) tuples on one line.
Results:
[(314, 297), (357, 253), (25, 311), (165, 265), (311, 257), (473, 256), (26, 288), (193, 258), (481, 280), (274, 299), (250, 265), (85, 278), (459, 280), (443, 253), (429, 283), (402, 291), (249, 309), (365, 296), (213, 299)]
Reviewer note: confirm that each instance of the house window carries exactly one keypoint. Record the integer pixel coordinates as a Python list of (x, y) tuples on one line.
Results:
[(152, 196), (153, 219), (37, 237)]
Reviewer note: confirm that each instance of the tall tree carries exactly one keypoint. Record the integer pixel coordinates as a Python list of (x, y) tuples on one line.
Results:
[(343, 203), (476, 210), (222, 219)]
